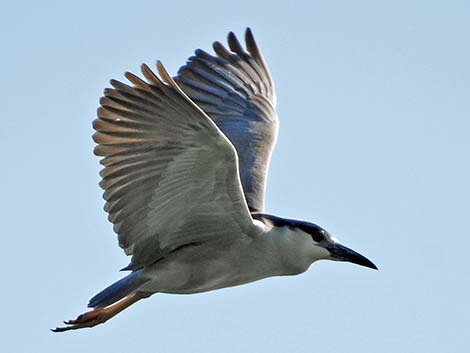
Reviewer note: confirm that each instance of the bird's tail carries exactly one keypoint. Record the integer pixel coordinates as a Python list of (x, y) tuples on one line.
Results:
[(117, 290)]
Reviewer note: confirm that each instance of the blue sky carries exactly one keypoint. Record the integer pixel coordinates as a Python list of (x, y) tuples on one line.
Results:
[(374, 144)]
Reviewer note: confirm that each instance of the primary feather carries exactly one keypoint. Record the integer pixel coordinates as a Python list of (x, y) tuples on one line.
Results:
[(169, 171), (236, 90)]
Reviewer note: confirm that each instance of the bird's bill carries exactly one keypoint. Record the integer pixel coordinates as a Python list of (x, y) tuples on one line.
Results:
[(342, 253)]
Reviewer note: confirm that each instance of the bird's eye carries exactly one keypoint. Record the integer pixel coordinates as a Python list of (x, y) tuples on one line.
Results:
[(318, 236)]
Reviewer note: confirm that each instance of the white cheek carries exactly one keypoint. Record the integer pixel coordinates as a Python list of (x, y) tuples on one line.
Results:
[(318, 253)]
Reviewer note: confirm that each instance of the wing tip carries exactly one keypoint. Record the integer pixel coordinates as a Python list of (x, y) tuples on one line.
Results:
[(234, 44), (166, 77), (149, 74), (136, 81), (220, 50)]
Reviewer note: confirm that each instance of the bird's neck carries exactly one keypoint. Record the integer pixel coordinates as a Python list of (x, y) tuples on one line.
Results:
[(292, 248)]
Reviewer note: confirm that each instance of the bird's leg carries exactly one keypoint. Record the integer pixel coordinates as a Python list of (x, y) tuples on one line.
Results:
[(100, 315)]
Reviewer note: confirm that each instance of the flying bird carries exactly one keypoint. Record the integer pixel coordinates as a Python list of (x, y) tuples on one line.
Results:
[(185, 163)]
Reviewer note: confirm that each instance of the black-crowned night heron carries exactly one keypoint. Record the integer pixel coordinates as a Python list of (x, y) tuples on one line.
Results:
[(185, 163)]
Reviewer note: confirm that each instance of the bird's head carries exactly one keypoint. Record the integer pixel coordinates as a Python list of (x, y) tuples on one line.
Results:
[(308, 242), (326, 246)]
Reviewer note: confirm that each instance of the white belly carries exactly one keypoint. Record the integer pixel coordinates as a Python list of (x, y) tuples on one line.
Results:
[(203, 268)]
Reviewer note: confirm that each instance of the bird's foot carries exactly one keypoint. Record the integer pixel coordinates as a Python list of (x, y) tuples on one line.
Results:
[(100, 315), (88, 319)]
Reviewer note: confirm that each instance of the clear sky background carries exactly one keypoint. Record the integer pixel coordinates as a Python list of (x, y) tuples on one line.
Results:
[(374, 145)]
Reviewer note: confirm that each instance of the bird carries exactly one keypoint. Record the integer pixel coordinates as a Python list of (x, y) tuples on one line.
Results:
[(185, 164)]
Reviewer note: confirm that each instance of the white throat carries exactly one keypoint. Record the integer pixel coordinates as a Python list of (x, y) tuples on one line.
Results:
[(296, 248)]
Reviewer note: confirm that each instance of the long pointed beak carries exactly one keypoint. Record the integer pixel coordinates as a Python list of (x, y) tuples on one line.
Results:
[(340, 252)]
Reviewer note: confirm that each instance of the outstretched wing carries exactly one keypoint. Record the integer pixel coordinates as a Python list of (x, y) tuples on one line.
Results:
[(236, 90), (170, 175)]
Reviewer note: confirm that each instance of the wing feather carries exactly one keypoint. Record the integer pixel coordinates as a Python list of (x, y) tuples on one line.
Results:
[(235, 89), (170, 175)]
